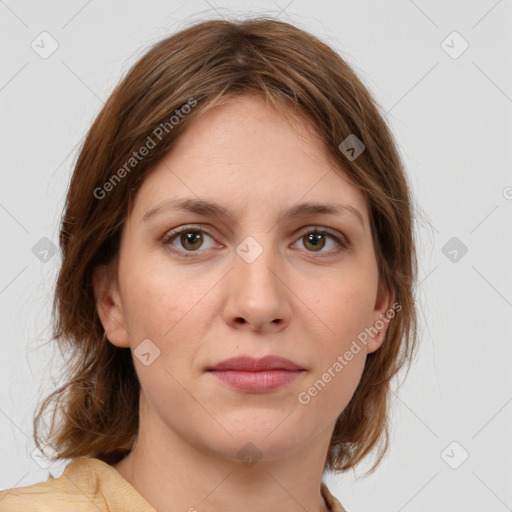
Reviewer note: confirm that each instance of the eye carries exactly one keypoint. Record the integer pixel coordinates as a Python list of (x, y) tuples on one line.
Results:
[(190, 239), (315, 240)]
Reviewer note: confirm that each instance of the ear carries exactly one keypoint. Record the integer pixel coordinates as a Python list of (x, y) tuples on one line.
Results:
[(109, 307), (380, 320)]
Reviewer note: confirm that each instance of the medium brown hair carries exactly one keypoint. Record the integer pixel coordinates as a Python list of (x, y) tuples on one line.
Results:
[(204, 64)]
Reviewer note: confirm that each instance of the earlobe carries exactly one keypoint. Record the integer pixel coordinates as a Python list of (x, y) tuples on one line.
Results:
[(109, 307)]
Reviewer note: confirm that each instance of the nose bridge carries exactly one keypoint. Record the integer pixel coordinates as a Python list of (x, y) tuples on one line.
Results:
[(256, 262)]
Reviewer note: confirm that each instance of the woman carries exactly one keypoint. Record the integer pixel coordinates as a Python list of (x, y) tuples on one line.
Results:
[(236, 290)]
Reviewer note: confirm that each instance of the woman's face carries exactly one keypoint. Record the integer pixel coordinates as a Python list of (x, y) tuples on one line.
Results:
[(254, 283)]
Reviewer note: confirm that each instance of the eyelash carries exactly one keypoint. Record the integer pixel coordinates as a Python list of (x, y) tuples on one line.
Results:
[(343, 242)]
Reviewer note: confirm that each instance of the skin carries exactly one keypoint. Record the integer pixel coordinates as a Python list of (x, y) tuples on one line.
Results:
[(303, 302)]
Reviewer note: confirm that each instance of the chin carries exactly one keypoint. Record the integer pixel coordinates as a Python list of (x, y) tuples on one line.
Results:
[(256, 444)]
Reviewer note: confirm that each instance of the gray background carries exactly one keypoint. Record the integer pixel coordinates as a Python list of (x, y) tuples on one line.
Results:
[(451, 115)]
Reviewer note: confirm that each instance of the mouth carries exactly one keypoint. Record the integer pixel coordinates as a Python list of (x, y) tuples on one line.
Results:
[(262, 381), (256, 375)]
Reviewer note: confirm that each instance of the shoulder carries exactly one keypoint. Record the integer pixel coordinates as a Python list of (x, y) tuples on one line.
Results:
[(62, 494)]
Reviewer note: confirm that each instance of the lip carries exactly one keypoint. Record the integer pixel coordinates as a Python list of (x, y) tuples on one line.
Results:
[(251, 364), (258, 381), (256, 375)]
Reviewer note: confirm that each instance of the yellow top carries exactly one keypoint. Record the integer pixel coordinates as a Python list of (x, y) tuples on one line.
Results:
[(91, 485)]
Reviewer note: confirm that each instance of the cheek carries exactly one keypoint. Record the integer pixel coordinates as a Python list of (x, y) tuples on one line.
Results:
[(344, 309), (165, 308), (155, 302), (328, 392)]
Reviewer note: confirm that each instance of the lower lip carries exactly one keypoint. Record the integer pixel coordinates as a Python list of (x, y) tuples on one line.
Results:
[(257, 382)]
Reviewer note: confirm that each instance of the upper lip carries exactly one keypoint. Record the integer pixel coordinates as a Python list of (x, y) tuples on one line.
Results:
[(251, 364)]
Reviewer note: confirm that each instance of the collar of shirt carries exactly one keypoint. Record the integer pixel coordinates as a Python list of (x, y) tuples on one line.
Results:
[(88, 484)]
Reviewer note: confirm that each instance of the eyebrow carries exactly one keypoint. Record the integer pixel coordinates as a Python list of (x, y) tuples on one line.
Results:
[(207, 208)]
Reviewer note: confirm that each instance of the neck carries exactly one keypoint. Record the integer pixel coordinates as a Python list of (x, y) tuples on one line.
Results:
[(172, 474)]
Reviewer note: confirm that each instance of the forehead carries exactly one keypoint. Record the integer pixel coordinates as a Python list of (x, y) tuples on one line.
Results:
[(249, 156)]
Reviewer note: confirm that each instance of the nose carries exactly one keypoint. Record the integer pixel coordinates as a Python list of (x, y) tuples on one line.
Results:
[(258, 297)]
